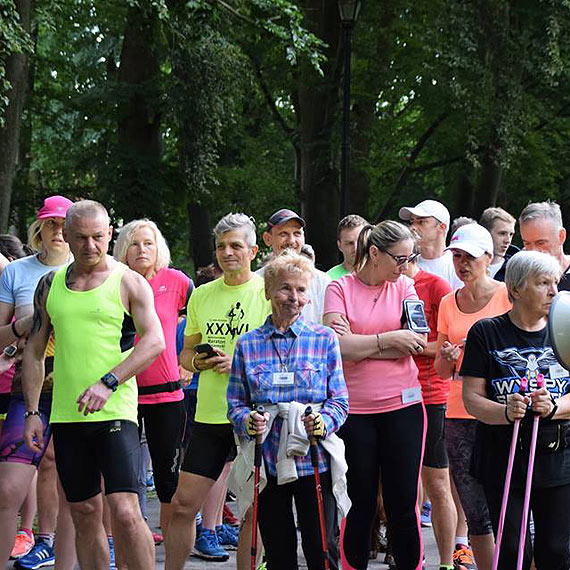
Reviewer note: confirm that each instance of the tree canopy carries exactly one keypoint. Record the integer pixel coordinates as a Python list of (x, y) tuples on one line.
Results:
[(182, 111)]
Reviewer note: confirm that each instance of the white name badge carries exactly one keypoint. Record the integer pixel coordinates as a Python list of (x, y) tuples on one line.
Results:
[(557, 371), (283, 378), (410, 395)]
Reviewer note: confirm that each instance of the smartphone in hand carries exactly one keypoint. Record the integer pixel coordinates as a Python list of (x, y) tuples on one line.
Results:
[(206, 348)]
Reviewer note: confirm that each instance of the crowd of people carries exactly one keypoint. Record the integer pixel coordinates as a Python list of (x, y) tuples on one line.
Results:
[(404, 370)]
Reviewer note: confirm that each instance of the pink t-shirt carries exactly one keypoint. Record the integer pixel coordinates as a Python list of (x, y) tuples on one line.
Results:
[(170, 288), (374, 385)]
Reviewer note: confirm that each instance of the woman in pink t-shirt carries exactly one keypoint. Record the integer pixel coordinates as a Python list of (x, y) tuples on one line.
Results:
[(161, 401), (385, 427), (480, 297)]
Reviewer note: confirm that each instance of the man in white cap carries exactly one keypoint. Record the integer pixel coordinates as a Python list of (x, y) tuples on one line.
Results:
[(430, 222), (286, 230)]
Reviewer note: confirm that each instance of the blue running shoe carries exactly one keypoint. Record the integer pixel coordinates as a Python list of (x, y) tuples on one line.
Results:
[(207, 546), (426, 514), (112, 564), (42, 554), (227, 536)]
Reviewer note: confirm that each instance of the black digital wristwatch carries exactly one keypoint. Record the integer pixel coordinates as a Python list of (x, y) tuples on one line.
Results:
[(110, 381)]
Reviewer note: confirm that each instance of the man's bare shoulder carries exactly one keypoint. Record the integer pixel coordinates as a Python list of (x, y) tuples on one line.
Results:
[(133, 281)]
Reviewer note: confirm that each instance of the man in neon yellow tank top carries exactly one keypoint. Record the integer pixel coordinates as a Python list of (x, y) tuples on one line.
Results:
[(218, 313), (94, 410)]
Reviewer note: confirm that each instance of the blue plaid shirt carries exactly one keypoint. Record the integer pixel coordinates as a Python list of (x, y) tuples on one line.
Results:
[(312, 353)]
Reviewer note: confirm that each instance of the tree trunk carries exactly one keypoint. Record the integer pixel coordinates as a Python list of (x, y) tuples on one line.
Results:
[(489, 183), (317, 100), (139, 149), (17, 75), (200, 235)]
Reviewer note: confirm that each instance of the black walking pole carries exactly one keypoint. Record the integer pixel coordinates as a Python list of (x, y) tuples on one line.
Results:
[(315, 463), (257, 469)]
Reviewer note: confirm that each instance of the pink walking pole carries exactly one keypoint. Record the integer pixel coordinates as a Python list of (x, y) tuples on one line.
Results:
[(529, 471), (514, 439)]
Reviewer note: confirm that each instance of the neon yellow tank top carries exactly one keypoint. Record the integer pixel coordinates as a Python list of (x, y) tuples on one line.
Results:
[(87, 326)]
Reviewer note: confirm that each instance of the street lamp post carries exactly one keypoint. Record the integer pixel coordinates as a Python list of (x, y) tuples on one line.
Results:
[(348, 14)]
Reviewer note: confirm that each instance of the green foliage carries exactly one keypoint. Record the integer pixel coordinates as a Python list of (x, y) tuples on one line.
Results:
[(13, 39)]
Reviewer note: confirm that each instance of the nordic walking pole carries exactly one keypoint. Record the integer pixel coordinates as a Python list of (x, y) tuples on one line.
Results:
[(257, 469), (529, 471), (514, 439), (315, 463)]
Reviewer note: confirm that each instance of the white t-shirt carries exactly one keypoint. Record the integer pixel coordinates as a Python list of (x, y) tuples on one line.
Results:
[(494, 267), (313, 311), (443, 267)]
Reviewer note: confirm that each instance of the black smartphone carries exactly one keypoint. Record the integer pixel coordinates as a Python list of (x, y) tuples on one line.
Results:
[(416, 316), (10, 350), (206, 348)]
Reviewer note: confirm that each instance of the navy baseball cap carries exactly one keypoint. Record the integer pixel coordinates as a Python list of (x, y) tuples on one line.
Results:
[(282, 216)]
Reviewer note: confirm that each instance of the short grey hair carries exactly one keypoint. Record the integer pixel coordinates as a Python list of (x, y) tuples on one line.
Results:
[(85, 209), (232, 222), (542, 210), (288, 261), (525, 264), (125, 239)]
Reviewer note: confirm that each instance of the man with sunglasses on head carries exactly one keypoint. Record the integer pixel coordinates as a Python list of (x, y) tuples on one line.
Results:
[(429, 221)]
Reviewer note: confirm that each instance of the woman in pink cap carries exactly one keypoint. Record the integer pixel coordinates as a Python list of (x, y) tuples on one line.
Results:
[(19, 465)]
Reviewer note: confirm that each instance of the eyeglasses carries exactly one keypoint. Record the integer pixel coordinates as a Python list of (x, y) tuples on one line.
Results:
[(402, 259)]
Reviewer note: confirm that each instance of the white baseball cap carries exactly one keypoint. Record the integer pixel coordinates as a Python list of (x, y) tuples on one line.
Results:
[(472, 238), (426, 209)]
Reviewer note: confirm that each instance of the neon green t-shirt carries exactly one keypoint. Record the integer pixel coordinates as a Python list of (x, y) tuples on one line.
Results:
[(87, 325), (221, 313), (337, 272)]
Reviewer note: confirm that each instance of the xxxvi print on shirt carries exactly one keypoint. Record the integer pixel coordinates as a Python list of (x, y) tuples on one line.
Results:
[(528, 362), (231, 327)]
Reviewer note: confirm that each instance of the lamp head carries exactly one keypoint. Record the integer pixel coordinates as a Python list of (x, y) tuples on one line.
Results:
[(559, 327), (349, 10)]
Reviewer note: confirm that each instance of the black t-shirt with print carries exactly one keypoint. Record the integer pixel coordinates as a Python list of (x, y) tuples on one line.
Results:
[(502, 354)]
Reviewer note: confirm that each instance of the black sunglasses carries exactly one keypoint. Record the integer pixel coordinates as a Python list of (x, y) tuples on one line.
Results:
[(401, 259)]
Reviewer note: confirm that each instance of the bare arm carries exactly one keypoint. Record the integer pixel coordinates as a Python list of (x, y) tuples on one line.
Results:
[(23, 325), (33, 363), (446, 355), (386, 345), (478, 405), (151, 343)]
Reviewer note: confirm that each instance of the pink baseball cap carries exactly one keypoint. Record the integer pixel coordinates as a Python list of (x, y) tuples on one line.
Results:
[(54, 207)]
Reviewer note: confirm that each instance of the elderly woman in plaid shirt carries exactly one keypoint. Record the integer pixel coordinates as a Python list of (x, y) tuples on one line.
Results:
[(286, 365)]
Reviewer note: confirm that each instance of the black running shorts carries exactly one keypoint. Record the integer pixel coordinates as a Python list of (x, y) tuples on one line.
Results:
[(85, 451), (211, 445), (435, 453)]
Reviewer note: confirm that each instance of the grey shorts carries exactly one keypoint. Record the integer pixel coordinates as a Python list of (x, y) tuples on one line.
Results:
[(460, 440)]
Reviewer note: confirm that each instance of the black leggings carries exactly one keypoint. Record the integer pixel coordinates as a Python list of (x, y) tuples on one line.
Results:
[(389, 445), (550, 509), (164, 428), (277, 523)]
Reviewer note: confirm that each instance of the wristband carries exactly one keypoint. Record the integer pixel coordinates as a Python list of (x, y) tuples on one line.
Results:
[(554, 408), (379, 344), (14, 331), (193, 363), (29, 413), (507, 415)]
